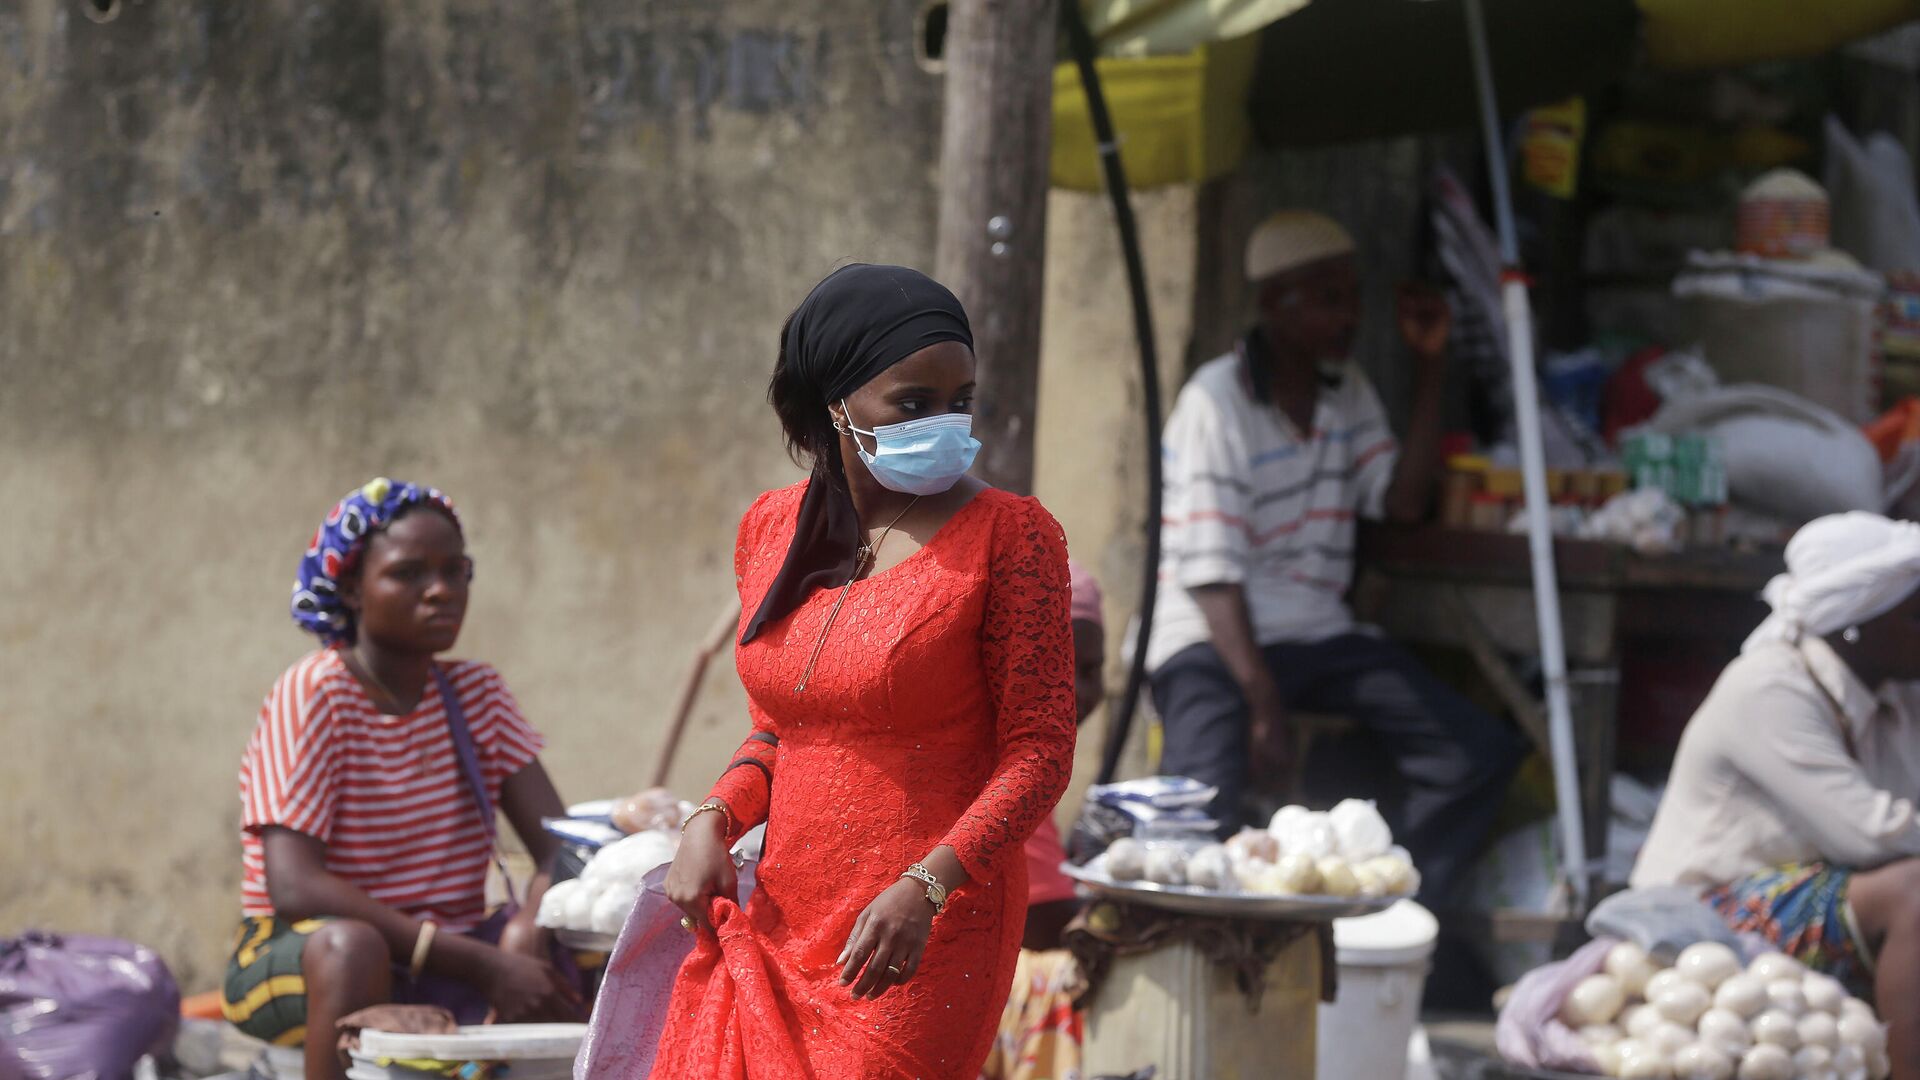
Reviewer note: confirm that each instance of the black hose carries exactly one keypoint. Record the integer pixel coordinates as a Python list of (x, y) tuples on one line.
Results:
[(1080, 41)]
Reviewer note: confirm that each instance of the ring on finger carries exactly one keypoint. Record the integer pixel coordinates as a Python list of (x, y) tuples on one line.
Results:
[(893, 970), (686, 923)]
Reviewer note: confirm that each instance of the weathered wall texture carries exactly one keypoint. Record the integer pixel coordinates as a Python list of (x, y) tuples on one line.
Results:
[(1090, 452), (254, 253)]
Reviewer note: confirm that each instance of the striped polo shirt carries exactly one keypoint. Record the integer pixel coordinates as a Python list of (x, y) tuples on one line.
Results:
[(385, 793), (1252, 500)]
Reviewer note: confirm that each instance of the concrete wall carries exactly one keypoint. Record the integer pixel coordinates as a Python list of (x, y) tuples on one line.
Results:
[(253, 253)]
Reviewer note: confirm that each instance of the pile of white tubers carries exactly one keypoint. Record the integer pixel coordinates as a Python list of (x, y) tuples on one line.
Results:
[(1706, 1019), (599, 899), (1345, 852)]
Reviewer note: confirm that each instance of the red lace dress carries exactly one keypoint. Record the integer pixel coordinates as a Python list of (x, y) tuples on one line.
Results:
[(940, 711)]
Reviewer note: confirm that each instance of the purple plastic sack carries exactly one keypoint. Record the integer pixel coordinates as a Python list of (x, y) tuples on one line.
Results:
[(79, 1006), (1529, 1032), (631, 1011)]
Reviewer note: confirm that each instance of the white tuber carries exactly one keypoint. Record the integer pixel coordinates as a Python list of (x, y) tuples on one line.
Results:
[(1777, 1028), (1702, 1062), (1126, 859), (1253, 845), (1669, 1037), (1708, 963), (1166, 866), (1868, 1035), (1640, 1019), (1820, 1029), (1661, 980), (1336, 877), (1632, 966), (1212, 868), (1372, 884), (1766, 1062), (553, 904), (1301, 831), (1295, 875), (1601, 1034), (1786, 996), (1823, 993), (1595, 999), (1396, 875), (610, 908), (1642, 1061), (1725, 1031), (1607, 1056), (1359, 830), (1849, 1063), (1682, 1002), (1743, 995), (1853, 1006), (1813, 1061), (578, 906), (1770, 966), (631, 858)]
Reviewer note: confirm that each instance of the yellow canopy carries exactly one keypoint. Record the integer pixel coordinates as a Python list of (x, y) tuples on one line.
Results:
[(1179, 74)]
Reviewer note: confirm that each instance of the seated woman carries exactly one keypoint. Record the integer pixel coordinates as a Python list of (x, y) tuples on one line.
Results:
[(1791, 804), (1040, 1031), (367, 797)]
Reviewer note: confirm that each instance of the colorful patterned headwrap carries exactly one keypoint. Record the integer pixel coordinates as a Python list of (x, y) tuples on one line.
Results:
[(337, 546)]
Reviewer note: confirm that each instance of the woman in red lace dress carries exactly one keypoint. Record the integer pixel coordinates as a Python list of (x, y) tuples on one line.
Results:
[(908, 661)]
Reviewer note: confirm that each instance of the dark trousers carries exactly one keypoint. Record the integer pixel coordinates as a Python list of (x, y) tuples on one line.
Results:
[(1453, 760)]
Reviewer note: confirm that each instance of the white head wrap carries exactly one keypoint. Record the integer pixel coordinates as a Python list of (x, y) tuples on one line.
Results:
[(1291, 239), (1842, 570)]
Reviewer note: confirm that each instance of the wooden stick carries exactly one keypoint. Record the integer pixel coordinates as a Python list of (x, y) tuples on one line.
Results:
[(715, 640)]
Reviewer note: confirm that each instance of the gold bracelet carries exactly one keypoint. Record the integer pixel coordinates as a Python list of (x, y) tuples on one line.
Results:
[(936, 892), (713, 806), (422, 942)]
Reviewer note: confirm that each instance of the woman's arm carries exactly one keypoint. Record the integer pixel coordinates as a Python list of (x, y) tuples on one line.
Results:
[(528, 796), (1794, 754), (301, 887), (745, 787), (1027, 648)]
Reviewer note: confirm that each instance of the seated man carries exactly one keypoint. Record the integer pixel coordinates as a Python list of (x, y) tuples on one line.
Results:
[(1271, 453), (1792, 800), (367, 796)]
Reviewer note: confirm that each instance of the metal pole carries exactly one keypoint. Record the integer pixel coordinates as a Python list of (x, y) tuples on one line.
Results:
[(1533, 470), (1080, 41)]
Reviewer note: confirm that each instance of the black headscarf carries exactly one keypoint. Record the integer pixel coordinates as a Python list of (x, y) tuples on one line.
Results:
[(860, 321)]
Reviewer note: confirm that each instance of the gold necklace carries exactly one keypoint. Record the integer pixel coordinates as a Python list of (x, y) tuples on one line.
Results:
[(365, 671), (861, 557)]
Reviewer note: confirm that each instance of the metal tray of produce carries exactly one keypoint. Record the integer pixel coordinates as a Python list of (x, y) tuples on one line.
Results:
[(1240, 905), (586, 940)]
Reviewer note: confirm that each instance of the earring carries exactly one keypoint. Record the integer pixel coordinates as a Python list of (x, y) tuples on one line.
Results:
[(1851, 635)]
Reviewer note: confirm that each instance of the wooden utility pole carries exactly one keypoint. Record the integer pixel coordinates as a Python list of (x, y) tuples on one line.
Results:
[(991, 250)]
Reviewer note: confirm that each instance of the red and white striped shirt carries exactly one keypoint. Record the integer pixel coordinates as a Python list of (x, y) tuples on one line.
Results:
[(1252, 500), (385, 793)]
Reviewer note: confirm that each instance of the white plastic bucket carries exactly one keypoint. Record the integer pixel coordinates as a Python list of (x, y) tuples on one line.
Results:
[(285, 1062), (1383, 962)]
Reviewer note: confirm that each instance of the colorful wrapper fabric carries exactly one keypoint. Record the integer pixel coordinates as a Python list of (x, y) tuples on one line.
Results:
[(1802, 911), (337, 545)]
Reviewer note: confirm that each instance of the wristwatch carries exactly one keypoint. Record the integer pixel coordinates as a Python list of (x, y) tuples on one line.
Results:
[(936, 892)]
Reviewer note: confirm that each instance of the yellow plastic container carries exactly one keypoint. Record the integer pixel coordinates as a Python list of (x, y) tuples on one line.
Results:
[(1180, 119)]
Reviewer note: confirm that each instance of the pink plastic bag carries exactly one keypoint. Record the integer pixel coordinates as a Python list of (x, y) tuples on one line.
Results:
[(631, 1011), (1529, 1032)]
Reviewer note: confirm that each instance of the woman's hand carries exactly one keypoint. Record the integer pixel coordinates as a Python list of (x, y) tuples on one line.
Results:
[(523, 936), (703, 869), (523, 989), (888, 940)]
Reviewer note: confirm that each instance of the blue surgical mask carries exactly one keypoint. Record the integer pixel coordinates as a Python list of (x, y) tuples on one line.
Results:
[(920, 457)]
